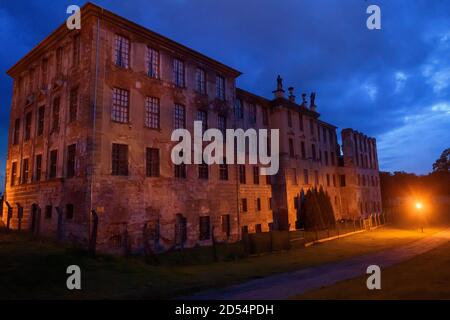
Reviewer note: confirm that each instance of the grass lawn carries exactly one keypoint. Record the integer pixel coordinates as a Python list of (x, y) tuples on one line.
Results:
[(31, 269), (426, 276)]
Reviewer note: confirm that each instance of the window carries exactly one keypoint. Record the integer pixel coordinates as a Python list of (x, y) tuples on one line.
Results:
[(316, 177), (53, 164), (242, 174), (202, 116), (291, 148), (305, 176), (48, 212), (220, 87), (326, 157), (289, 119), (252, 113), (328, 180), (294, 176), (25, 168), (324, 134), (152, 62), (265, 116), (179, 117), (76, 50), (332, 158), (359, 179), (119, 159), (180, 169), (302, 146), (258, 228), (40, 124), (222, 125), (256, 175), (226, 225), (205, 227), (120, 107), (69, 211), (200, 81), (122, 52), (244, 207), (31, 81), (59, 56), (311, 126), (44, 73), (152, 112), (238, 109), (38, 167), (313, 151), (178, 73), (28, 122), (13, 173), (71, 156), (342, 180), (223, 170), (16, 131), (55, 114), (334, 180), (258, 204), (203, 172), (73, 104), (152, 162), (300, 121), (180, 229), (244, 230), (318, 133)]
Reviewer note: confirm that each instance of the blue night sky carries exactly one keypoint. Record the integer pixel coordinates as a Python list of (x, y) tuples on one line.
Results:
[(393, 83)]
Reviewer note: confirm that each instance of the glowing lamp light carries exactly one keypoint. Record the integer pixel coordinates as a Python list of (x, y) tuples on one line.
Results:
[(418, 205)]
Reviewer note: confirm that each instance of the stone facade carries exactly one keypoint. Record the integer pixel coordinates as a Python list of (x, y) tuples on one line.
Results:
[(65, 121)]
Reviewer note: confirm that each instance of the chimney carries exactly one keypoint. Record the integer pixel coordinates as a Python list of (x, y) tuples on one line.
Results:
[(312, 102), (279, 93), (291, 94), (304, 102)]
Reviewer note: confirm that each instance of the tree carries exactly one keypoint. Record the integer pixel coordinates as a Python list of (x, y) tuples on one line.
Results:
[(443, 163)]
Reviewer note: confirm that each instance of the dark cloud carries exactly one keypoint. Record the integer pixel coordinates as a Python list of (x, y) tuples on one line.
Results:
[(373, 81)]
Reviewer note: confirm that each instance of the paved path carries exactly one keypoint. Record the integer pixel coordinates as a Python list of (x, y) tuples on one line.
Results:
[(285, 285)]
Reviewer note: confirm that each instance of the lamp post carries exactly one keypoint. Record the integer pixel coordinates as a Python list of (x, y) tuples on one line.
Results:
[(419, 208)]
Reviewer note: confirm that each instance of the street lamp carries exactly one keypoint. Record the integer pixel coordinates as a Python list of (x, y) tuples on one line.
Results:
[(419, 207)]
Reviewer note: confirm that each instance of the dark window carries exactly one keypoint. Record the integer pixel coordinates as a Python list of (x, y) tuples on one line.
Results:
[(244, 230), (180, 169), (242, 178), (28, 122), (220, 87), (120, 105), (311, 126), (342, 180), (258, 228), (152, 62), (205, 228), (13, 173), (119, 159), (178, 73), (76, 50), (244, 205), (200, 81), (332, 158), (328, 180), (16, 131), (53, 163), (313, 151), (203, 172), (300, 121), (152, 162), (202, 116), (226, 225), (55, 114), (324, 134), (179, 117), (294, 176), (152, 112), (38, 167), (316, 177), (291, 148), (265, 116), (122, 52), (48, 212), (71, 156), (180, 229), (73, 104), (326, 158), (305, 176), (25, 169), (40, 124), (289, 119), (69, 211), (258, 204), (238, 109), (252, 113), (256, 175), (334, 180), (302, 145), (223, 170)]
